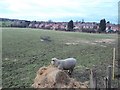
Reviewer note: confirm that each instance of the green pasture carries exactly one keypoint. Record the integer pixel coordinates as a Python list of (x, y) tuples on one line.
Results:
[(25, 50)]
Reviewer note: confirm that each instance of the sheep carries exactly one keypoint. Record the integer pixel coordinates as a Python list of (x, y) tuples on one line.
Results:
[(65, 64)]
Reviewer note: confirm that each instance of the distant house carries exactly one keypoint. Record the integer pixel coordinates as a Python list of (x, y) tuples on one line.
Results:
[(111, 27), (41, 25), (31, 25), (36, 25), (47, 26), (87, 27)]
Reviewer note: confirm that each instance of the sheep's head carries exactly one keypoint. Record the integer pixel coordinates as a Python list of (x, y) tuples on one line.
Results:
[(53, 61)]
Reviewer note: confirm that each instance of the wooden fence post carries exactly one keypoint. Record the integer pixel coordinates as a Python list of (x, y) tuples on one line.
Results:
[(113, 72), (106, 82), (92, 84), (109, 76)]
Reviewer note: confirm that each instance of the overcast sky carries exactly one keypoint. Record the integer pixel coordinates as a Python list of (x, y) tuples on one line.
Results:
[(60, 10)]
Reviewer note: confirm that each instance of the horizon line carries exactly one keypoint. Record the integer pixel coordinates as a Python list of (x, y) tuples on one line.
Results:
[(58, 20)]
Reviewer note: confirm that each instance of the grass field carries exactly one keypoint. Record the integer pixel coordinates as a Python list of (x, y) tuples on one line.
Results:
[(25, 50)]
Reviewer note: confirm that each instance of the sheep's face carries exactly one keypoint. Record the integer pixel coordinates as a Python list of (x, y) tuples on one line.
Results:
[(53, 61)]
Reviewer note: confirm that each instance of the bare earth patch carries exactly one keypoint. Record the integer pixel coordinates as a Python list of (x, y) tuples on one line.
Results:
[(77, 42), (52, 77), (105, 41), (103, 46), (71, 43), (108, 41)]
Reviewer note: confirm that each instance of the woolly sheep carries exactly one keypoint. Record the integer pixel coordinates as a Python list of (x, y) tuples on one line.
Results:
[(65, 64)]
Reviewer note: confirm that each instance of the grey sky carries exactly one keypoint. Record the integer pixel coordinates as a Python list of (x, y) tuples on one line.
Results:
[(60, 10)]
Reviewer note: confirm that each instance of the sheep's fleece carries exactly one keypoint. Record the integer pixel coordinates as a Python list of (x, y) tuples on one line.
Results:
[(65, 64)]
